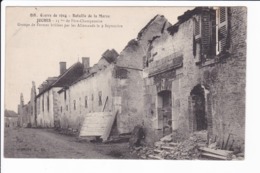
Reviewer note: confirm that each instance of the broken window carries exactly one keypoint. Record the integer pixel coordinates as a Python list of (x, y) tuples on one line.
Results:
[(65, 95), (100, 98), (42, 103), (80, 104), (74, 104), (48, 103), (86, 101), (121, 73)]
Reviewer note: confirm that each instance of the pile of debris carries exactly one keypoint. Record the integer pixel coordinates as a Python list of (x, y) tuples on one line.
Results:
[(194, 148)]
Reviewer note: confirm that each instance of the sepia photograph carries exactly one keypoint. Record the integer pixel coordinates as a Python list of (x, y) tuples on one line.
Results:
[(125, 82)]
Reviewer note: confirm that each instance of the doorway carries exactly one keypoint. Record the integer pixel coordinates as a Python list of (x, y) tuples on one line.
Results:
[(165, 111), (199, 108)]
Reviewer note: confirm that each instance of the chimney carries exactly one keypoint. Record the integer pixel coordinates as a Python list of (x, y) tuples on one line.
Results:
[(21, 99), (85, 62), (40, 88), (62, 67)]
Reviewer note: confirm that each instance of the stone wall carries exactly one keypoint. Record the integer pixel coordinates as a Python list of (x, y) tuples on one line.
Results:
[(180, 44), (222, 78), (91, 88), (33, 106), (227, 81), (127, 91), (118, 88), (64, 109), (45, 117)]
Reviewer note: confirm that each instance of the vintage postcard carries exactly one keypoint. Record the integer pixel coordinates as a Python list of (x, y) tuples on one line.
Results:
[(125, 82)]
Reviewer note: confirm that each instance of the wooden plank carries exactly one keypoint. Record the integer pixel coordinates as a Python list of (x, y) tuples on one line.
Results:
[(105, 104), (109, 127), (95, 124), (217, 152), (214, 156), (227, 141)]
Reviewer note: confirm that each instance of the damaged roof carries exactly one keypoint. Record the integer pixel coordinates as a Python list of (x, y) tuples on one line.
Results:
[(65, 79), (10, 113), (186, 16), (69, 76), (110, 55), (160, 19)]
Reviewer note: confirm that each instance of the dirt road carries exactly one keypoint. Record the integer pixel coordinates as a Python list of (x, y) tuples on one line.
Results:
[(46, 143)]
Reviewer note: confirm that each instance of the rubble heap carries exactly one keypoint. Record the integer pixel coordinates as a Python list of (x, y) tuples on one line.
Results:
[(193, 148)]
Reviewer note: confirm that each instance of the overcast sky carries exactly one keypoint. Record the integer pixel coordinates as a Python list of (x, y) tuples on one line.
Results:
[(34, 53)]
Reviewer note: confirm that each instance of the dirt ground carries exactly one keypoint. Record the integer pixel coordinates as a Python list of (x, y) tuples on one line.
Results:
[(47, 143)]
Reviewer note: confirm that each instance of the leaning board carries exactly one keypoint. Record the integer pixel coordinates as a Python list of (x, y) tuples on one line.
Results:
[(95, 124)]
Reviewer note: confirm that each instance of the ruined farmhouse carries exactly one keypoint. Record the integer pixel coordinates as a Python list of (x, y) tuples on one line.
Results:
[(10, 118), (179, 79)]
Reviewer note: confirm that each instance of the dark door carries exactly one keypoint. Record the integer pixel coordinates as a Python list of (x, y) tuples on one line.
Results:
[(165, 112), (198, 99)]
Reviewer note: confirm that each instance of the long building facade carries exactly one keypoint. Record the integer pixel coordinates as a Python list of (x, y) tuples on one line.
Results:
[(171, 79)]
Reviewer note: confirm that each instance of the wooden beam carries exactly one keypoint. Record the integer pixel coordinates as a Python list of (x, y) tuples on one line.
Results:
[(217, 152), (227, 141), (109, 127), (105, 104), (214, 156)]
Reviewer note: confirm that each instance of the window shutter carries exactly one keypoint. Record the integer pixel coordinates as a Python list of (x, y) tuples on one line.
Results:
[(205, 33), (222, 36), (197, 27)]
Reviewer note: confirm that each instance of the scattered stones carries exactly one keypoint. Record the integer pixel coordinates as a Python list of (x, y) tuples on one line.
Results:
[(158, 144), (138, 148), (166, 149), (189, 149), (167, 138), (143, 156), (240, 155), (213, 145), (240, 158)]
